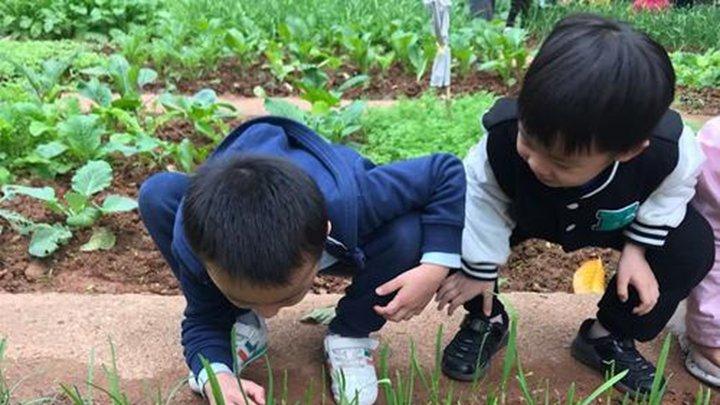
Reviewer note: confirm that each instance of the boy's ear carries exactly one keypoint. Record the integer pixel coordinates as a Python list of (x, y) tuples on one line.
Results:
[(329, 228), (632, 153)]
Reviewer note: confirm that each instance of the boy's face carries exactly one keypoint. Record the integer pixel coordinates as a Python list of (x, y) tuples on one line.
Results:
[(265, 301), (558, 169)]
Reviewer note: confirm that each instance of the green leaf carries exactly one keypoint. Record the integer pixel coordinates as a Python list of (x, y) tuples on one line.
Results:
[(51, 150), (84, 218), (353, 82), (146, 76), (101, 239), (212, 379), (320, 316), (46, 239), (184, 154), (117, 203), (92, 178), (147, 143), (76, 201), (129, 102), (119, 69), (5, 176), (37, 128), (284, 109), (205, 97), (96, 91), (83, 133), (19, 223), (235, 40), (46, 194)]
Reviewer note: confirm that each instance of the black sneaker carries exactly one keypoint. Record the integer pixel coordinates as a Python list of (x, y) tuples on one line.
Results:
[(612, 355), (467, 357)]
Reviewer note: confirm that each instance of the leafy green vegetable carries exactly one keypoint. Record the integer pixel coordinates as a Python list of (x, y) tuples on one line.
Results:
[(101, 239), (76, 206)]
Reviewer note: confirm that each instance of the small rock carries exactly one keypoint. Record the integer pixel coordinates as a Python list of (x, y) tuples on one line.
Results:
[(34, 271)]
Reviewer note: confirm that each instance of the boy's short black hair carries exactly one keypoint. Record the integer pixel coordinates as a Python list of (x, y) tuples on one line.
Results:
[(595, 83), (257, 218)]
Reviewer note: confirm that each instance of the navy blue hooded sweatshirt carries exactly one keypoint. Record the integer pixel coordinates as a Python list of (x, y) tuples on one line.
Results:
[(360, 197)]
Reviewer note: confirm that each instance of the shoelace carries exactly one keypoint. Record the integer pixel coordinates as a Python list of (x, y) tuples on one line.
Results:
[(351, 357), (470, 341), (631, 359), (358, 356)]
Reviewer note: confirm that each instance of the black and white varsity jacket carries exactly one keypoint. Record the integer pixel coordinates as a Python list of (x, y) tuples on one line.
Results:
[(641, 200)]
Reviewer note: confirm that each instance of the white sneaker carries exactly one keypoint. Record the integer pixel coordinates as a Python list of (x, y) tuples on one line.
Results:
[(352, 371), (249, 340)]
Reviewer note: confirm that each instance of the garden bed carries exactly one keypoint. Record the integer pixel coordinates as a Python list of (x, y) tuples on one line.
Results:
[(135, 266), (233, 78)]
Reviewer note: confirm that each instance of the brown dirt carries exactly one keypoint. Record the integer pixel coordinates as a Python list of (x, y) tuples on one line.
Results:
[(700, 101), (135, 266), (541, 266), (233, 78)]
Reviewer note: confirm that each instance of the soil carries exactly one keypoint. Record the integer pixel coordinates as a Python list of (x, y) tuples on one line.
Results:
[(135, 266), (233, 78), (541, 266), (699, 101)]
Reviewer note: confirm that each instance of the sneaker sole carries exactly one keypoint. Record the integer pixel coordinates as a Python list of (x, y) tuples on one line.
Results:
[(477, 375), (592, 361)]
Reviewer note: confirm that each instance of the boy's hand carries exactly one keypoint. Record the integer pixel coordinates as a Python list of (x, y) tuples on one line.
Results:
[(634, 270), (230, 387), (416, 288), (459, 289)]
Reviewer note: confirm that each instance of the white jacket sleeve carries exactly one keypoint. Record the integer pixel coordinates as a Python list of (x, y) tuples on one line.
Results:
[(665, 208), (488, 226)]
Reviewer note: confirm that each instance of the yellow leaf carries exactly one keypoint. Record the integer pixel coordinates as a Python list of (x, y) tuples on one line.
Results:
[(589, 278)]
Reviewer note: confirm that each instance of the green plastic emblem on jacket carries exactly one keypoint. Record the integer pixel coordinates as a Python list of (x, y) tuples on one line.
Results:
[(611, 220)]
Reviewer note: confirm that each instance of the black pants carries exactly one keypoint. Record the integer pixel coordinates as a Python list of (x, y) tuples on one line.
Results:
[(486, 8), (680, 265)]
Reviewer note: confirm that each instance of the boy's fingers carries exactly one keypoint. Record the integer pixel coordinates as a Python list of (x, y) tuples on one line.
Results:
[(453, 305), (444, 288), (487, 303), (398, 316), (390, 286), (256, 392), (646, 302), (390, 309), (449, 295), (447, 285), (622, 287)]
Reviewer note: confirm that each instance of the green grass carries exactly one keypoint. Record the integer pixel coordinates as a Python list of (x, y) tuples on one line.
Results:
[(321, 14), (425, 125), (31, 55), (692, 29)]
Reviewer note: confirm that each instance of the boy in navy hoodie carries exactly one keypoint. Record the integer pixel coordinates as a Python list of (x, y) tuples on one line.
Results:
[(247, 233)]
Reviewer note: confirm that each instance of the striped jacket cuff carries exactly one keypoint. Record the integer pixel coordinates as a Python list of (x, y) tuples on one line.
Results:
[(650, 236), (484, 271)]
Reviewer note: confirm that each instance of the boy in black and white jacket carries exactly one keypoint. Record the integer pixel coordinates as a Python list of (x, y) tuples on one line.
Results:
[(589, 155)]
